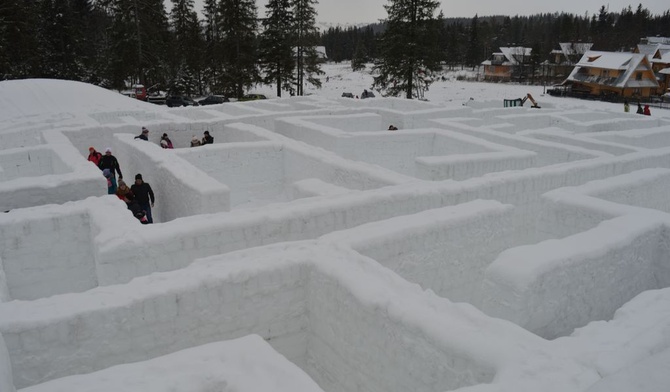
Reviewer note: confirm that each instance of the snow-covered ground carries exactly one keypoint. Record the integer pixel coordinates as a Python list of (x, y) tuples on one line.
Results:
[(477, 248)]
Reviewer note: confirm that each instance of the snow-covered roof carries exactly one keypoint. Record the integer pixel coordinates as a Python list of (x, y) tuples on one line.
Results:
[(575, 48), (658, 40), (618, 61), (653, 50), (516, 54)]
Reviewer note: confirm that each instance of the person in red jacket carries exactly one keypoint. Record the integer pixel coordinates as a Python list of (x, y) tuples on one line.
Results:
[(94, 156), (647, 112)]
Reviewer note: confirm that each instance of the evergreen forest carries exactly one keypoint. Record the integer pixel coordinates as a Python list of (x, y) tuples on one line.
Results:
[(230, 46)]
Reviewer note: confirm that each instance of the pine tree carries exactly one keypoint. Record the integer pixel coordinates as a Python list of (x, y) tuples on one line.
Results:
[(213, 55), (237, 30), (474, 44), (358, 61), (307, 37), (409, 48), (188, 49), (276, 46), (18, 39)]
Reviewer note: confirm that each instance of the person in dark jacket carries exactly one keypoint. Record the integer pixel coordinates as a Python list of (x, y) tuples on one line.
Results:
[(207, 139), (639, 109), (108, 161), (144, 196), (144, 135)]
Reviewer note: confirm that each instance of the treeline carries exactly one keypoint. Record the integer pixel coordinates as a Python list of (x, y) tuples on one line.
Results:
[(114, 43), (233, 45), (471, 41)]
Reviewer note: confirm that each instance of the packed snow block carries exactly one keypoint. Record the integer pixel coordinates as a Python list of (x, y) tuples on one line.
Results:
[(422, 118), (591, 121), (359, 342), (181, 189), (561, 136), (47, 251), (157, 315), (305, 131), (301, 163), (635, 342), (324, 316), (461, 167), (657, 137), (548, 153), (22, 139), (398, 151), (242, 133), (314, 187), (262, 172), (349, 123), (252, 171), (46, 175), (30, 162), (141, 251), (6, 379), (645, 188), (4, 289), (445, 250), (247, 364), (583, 207), (556, 286)]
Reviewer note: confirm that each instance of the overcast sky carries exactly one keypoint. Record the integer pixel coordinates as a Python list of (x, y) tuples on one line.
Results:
[(369, 11)]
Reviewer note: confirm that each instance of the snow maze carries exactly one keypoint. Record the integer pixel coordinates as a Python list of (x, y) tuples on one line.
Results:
[(474, 249)]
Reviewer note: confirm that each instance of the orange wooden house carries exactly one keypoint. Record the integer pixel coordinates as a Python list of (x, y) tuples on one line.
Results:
[(614, 73), (502, 64)]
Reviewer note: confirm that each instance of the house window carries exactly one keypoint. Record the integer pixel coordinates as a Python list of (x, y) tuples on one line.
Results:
[(604, 73), (638, 76)]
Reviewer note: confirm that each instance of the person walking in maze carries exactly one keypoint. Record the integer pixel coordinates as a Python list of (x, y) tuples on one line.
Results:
[(108, 161), (144, 196)]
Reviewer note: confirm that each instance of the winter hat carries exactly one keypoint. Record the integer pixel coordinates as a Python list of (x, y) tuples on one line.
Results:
[(138, 176), (108, 149), (165, 135), (91, 149), (121, 182), (145, 130), (206, 132)]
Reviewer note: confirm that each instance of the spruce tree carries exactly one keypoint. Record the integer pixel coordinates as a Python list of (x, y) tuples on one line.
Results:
[(409, 49), (276, 46), (358, 60), (18, 40), (188, 48), (306, 39), (237, 30), (474, 44)]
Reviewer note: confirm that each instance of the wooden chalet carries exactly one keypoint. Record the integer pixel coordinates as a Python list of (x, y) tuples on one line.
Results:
[(614, 73)]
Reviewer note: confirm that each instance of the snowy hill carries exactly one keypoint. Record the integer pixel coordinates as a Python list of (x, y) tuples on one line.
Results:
[(309, 248)]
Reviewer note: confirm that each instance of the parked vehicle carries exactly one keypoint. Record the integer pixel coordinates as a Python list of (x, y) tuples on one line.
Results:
[(180, 100), (213, 100), (347, 95), (367, 94), (252, 97), (137, 91), (140, 92)]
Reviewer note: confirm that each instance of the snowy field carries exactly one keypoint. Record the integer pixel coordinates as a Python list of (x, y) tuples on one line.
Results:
[(476, 249)]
